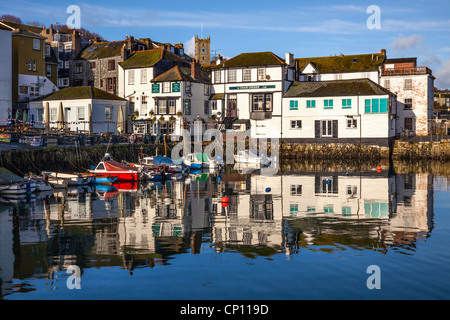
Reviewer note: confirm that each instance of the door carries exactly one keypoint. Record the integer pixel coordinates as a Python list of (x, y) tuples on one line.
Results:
[(67, 118)]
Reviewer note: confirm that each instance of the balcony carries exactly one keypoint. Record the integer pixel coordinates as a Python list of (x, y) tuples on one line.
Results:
[(406, 71), (261, 115)]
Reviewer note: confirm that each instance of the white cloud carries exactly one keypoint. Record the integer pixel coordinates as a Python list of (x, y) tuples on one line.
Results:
[(189, 47), (443, 76), (405, 43)]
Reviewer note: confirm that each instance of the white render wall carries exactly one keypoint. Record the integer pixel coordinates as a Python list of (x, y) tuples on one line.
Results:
[(5, 75), (372, 75), (46, 86), (100, 124), (368, 125)]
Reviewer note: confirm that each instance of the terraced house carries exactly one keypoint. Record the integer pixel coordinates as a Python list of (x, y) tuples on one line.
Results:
[(135, 77), (32, 69), (249, 89), (346, 111), (413, 85), (98, 64), (181, 100)]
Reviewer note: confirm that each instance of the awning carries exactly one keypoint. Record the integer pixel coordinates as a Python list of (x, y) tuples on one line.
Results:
[(241, 121), (219, 96)]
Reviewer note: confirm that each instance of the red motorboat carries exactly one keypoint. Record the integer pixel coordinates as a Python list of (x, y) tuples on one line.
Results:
[(123, 172)]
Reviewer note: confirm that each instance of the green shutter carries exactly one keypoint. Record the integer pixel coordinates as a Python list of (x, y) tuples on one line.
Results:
[(344, 103), (375, 105), (325, 103), (308, 103), (367, 106), (383, 105), (331, 102), (314, 103), (293, 105)]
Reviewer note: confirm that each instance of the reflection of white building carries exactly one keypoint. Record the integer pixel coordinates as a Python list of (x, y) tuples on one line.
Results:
[(6, 253), (332, 195), (252, 218)]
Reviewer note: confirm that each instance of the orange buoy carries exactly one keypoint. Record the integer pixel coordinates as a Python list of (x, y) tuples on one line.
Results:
[(225, 200), (379, 169)]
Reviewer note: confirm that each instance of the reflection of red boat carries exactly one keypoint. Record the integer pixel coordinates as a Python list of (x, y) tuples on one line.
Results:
[(123, 172), (126, 186)]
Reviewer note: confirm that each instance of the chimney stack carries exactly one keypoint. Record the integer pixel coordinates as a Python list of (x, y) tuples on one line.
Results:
[(124, 52), (289, 59), (383, 52), (195, 69)]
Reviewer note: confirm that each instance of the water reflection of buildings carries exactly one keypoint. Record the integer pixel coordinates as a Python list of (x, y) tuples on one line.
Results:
[(265, 215), (372, 210)]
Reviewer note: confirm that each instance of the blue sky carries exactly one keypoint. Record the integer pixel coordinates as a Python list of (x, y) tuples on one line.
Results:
[(305, 28)]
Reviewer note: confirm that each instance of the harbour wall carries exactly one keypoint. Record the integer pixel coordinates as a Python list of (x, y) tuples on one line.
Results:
[(81, 158)]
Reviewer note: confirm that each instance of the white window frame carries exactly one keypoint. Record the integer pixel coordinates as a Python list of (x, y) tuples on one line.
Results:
[(351, 123), (53, 114), (143, 76), (108, 113), (262, 74), (49, 71), (246, 75), (82, 117), (295, 126), (166, 87), (296, 189), (36, 44), (232, 75), (217, 76), (131, 77), (408, 84)]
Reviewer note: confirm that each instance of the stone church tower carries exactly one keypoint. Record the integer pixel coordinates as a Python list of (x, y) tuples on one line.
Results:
[(203, 50)]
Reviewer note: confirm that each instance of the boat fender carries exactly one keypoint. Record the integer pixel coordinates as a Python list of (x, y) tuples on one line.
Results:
[(133, 138)]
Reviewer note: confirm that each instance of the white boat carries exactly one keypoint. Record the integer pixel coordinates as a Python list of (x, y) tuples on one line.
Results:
[(72, 179), (202, 161), (41, 184), (12, 184), (15, 188), (252, 157)]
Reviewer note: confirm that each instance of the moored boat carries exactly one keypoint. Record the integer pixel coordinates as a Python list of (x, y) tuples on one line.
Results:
[(252, 157), (72, 179), (12, 184), (123, 172)]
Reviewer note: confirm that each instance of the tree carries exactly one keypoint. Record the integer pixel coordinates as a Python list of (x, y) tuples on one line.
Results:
[(84, 32), (11, 18)]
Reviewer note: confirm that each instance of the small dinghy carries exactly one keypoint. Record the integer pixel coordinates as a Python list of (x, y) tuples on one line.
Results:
[(12, 184)]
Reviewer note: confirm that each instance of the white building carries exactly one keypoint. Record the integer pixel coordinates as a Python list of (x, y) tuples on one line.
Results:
[(77, 104), (348, 111), (341, 67), (181, 100), (135, 76), (250, 88), (414, 87), (5, 74)]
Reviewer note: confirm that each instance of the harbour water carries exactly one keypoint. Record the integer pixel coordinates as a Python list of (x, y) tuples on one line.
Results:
[(295, 235)]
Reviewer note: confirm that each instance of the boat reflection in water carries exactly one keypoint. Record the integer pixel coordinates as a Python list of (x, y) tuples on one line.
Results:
[(138, 226)]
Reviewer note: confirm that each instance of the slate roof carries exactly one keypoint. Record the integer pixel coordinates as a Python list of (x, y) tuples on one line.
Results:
[(350, 63), (178, 73), (251, 59), (79, 93), (102, 50), (23, 27), (148, 58), (335, 88)]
